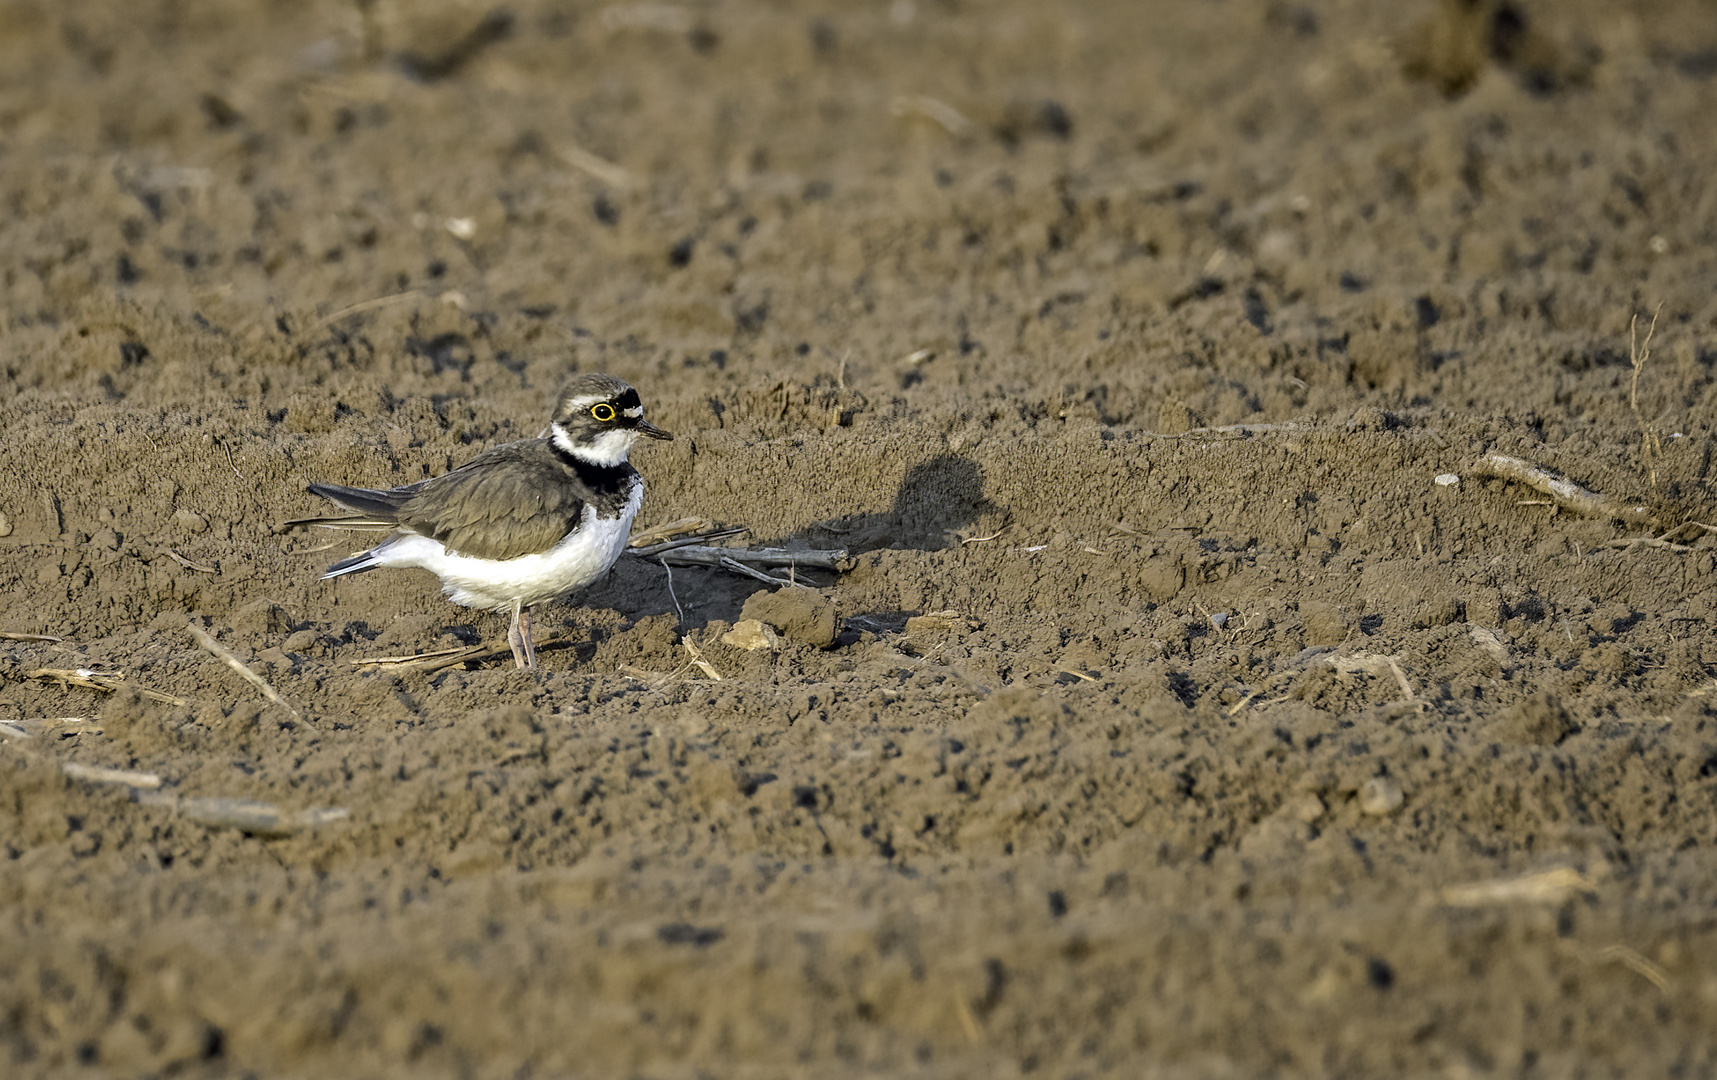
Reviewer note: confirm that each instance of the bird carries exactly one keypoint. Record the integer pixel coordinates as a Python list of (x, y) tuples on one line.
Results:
[(519, 524)]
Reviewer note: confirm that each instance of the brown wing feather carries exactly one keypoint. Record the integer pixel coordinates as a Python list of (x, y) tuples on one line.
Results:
[(372, 509), (509, 501)]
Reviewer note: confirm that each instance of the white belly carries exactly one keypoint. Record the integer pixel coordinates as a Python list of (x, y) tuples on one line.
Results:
[(580, 558)]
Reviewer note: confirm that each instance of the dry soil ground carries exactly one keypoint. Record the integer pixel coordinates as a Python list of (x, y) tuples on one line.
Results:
[(1177, 720)]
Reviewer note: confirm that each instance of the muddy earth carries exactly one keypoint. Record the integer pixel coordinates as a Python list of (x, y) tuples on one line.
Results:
[(1275, 637)]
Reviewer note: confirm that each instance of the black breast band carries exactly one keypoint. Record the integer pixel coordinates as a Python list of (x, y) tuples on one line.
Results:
[(600, 479)]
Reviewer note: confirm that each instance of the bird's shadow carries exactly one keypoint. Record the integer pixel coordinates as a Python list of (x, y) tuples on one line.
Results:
[(936, 503)]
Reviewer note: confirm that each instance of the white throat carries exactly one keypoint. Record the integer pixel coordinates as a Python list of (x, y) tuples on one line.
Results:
[(608, 448)]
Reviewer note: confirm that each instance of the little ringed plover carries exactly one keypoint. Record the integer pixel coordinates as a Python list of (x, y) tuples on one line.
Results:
[(521, 523)]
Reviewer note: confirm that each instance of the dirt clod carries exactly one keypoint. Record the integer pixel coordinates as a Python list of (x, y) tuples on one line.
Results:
[(800, 614)]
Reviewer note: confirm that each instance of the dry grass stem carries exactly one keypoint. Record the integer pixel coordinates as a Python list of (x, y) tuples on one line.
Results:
[(258, 818), (431, 661), (213, 647), (1568, 495), (679, 612), (1677, 539), (1639, 352), (313, 550), (462, 654), (643, 675), (1234, 431), (1636, 963), (837, 559), (1236, 708), (105, 681), (615, 176), (737, 567), (967, 1022), (938, 112), (1375, 664), (228, 450), (32, 726), (646, 551), (698, 658), (96, 774), (359, 308), (18, 635), (1544, 887), (187, 563), (1629, 543), (684, 528)]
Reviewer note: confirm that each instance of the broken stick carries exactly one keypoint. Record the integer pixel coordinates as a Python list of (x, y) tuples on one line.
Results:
[(1567, 494), (214, 647)]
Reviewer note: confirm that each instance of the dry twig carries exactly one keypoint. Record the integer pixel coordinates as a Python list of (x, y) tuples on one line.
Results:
[(259, 818), (446, 658), (1233, 431), (366, 305), (1628, 543), (643, 675), (616, 176), (1633, 961), (186, 563), (698, 658), (938, 112), (740, 568), (1639, 352), (1236, 708), (689, 530), (214, 648), (229, 453), (30, 727), (97, 774), (1544, 887), (1567, 494), (685, 543), (1375, 664), (754, 558), (105, 681)]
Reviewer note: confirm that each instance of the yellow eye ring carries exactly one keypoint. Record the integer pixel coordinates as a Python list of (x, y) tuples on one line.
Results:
[(603, 412)]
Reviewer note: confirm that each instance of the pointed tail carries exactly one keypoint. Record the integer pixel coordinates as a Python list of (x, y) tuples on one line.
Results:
[(372, 509), (356, 564)]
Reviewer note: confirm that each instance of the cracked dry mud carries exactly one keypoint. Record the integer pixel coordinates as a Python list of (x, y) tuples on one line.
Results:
[(1178, 721)]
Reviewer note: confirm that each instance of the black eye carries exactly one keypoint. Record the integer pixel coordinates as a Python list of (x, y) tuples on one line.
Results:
[(603, 412)]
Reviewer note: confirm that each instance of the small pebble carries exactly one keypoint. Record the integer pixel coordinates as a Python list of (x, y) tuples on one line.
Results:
[(1448, 479), (5, 525), (1380, 795), (1306, 808)]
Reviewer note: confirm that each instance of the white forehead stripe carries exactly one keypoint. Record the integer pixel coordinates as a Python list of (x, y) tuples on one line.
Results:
[(636, 412), (579, 404)]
